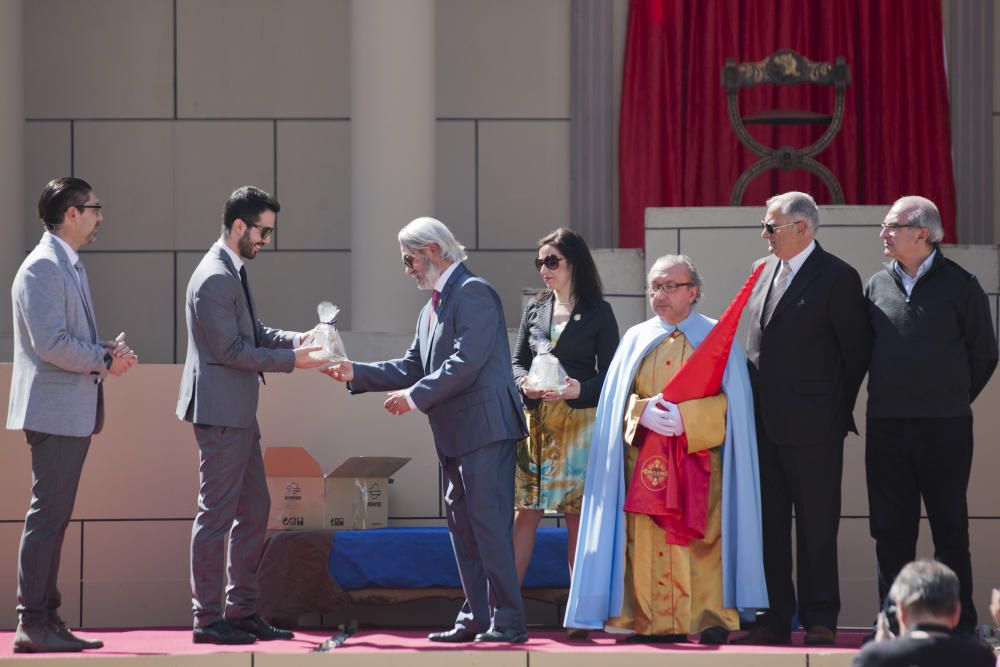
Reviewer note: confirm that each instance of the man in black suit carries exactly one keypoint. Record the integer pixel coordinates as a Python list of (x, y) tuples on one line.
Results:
[(926, 595), (808, 351)]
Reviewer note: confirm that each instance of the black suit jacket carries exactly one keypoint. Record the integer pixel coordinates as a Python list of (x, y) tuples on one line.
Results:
[(807, 364), (585, 348), (932, 651)]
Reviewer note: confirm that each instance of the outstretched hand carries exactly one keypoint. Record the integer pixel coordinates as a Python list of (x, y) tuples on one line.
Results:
[(342, 372), (304, 360)]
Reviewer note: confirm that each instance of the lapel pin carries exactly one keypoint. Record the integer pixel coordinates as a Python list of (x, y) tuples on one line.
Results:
[(576, 317)]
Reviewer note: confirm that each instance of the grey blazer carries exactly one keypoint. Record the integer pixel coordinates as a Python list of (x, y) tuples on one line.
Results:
[(58, 358), (219, 385), (460, 372)]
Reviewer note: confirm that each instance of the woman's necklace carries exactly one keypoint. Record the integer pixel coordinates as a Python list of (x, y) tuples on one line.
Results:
[(567, 304)]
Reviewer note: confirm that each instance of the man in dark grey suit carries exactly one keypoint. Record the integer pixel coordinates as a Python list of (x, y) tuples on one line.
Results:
[(457, 370), (56, 396), (228, 352)]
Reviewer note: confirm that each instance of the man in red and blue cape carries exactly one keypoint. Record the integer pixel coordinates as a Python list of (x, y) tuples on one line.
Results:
[(670, 530)]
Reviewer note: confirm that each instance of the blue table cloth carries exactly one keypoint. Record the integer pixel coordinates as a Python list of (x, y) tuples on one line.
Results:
[(422, 558)]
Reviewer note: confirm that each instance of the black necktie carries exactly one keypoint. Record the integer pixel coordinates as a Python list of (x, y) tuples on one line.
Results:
[(246, 293), (253, 317)]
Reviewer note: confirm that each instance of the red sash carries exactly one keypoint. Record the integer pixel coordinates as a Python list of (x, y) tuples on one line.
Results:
[(668, 484)]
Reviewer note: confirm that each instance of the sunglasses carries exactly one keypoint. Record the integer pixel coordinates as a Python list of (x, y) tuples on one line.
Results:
[(770, 228), (408, 261), (551, 263), (265, 231)]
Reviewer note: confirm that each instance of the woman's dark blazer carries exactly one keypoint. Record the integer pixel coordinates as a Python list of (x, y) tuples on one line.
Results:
[(585, 347)]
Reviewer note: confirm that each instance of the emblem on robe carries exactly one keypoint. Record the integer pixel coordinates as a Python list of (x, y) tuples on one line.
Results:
[(654, 473)]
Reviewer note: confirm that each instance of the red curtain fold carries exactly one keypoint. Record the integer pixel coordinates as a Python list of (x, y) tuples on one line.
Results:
[(677, 147)]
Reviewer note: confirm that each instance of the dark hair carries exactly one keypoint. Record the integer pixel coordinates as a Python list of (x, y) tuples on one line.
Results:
[(247, 203), (586, 280), (58, 196)]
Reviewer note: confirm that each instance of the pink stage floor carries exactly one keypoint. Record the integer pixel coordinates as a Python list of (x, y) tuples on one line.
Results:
[(177, 641)]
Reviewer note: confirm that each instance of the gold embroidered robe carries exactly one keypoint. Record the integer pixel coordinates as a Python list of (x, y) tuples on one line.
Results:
[(671, 589)]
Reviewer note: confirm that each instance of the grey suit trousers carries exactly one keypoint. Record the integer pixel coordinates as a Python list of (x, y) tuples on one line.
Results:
[(56, 465), (479, 499), (233, 495)]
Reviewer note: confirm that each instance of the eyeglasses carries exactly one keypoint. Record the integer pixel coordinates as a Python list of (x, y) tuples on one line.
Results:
[(669, 288), (408, 261), (265, 231), (551, 263), (94, 206), (770, 228), (892, 227)]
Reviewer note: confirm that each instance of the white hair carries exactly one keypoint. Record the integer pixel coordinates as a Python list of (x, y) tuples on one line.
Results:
[(799, 205), (922, 212), (422, 232)]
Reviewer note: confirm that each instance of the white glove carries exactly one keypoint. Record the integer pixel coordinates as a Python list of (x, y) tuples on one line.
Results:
[(663, 417)]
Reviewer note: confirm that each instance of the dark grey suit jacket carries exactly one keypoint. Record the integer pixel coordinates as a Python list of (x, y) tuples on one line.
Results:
[(807, 364), (219, 386), (460, 372)]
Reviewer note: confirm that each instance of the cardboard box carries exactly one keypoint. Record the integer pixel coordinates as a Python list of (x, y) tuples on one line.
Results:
[(357, 492), (295, 484)]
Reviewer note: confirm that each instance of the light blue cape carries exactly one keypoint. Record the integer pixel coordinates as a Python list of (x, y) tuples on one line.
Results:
[(596, 589)]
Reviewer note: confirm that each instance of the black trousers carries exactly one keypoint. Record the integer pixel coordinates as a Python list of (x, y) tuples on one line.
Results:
[(806, 479), (910, 459)]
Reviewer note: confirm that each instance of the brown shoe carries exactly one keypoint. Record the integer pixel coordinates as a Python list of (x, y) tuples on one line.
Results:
[(60, 629), (42, 639), (761, 636), (820, 635)]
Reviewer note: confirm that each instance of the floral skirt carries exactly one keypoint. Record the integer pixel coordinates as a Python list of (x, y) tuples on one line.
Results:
[(552, 460)]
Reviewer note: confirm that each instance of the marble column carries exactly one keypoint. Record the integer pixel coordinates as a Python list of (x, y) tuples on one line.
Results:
[(392, 153)]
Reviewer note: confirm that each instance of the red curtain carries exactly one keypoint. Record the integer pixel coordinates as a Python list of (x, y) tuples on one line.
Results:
[(677, 147)]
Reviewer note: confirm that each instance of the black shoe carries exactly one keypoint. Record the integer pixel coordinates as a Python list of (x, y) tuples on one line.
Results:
[(507, 635), (655, 639), (221, 632), (453, 636), (820, 635), (714, 636), (761, 636), (259, 628)]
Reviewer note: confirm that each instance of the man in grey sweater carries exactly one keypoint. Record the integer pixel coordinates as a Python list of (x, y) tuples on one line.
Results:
[(933, 350)]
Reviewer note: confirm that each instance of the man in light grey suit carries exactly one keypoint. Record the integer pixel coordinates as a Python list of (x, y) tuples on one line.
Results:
[(56, 396), (458, 371), (228, 352)]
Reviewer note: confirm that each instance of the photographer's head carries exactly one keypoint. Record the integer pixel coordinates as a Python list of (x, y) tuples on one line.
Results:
[(926, 591)]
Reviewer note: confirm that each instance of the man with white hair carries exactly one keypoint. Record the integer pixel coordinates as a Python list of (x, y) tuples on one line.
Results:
[(808, 351), (457, 370), (933, 351)]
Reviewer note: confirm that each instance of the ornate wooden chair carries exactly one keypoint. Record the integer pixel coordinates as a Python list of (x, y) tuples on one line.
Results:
[(785, 68)]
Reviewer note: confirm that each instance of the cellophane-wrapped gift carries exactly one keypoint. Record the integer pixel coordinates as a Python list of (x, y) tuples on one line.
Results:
[(546, 373), (326, 335)]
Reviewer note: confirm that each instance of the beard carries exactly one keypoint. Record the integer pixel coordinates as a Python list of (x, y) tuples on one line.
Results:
[(429, 277), (248, 249)]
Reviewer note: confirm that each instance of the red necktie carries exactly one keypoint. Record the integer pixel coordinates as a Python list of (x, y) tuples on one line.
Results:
[(435, 298)]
